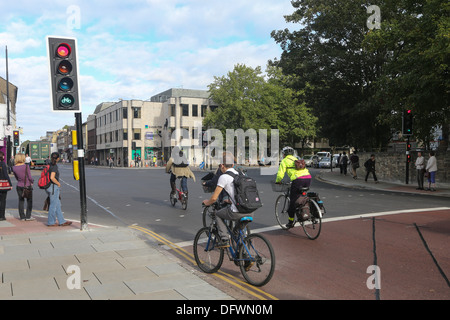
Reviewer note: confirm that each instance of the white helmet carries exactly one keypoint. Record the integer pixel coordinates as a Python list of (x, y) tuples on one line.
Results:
[(288, 150)]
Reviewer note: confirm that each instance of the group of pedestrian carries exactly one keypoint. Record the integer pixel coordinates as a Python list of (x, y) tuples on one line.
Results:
[(24, 189), (426, 170)]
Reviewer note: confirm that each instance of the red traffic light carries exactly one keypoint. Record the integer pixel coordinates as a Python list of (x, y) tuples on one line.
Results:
[(63, 50)]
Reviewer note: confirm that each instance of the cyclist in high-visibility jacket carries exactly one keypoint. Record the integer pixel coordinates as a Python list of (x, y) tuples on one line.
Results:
[(300, 178)]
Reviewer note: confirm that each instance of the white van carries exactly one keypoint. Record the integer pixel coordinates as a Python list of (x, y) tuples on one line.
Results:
[(323, 155)]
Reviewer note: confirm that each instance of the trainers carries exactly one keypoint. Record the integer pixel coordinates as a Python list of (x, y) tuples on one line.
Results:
[(290, 224)]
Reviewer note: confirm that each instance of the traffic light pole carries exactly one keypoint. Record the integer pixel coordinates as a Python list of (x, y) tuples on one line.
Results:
[(80, 155), (407, 162)]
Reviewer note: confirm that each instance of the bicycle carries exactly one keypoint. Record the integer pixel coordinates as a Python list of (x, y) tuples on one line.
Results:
[(313, 225), (179, 196), (252, 253)]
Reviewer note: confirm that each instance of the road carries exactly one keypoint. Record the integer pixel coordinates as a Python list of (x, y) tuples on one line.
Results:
[(124, 197), (139, 197)]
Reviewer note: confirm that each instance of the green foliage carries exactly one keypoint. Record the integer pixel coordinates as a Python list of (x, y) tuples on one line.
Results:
[(357, 80), (415, 75), (247, 100)]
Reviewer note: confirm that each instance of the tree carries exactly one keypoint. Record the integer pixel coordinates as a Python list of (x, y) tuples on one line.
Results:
[(326, 57), (239, 97), (246, 100), (415, 38)]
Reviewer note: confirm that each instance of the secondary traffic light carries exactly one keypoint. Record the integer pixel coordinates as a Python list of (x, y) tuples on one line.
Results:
[(63, 67), (407, 122), (16, 138)]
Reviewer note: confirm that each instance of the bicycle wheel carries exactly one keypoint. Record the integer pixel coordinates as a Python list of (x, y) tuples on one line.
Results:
[(209, 258), (173, 200), (313, 225), (184, 201), (257, 260), (281, 210), (208, 213)]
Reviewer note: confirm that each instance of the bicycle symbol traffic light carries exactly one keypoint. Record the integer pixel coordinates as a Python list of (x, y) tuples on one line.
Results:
[(63, 67)]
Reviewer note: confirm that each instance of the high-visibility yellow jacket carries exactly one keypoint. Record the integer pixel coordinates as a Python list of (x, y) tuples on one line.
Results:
[(288, 165)]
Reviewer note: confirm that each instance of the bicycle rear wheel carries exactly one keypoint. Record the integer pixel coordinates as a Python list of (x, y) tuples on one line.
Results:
[(173, 200), (184, 202), (281, 210), (313, 225), (209, 258), (257, 260)]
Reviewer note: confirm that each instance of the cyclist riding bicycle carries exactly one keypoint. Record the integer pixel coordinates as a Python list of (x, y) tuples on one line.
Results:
[(300, 178), (178, 167), (229, 212)]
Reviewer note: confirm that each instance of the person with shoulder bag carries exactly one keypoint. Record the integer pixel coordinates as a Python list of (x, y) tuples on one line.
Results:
[(24, 186), (53, 192), (4, 191)]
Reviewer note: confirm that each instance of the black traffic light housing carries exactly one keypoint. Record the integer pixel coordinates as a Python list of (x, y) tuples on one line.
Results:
[(16, 138), (63, 68), (407, 122)]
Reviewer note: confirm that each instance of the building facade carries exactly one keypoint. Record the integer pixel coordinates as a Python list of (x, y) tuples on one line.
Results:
[(131, 130)]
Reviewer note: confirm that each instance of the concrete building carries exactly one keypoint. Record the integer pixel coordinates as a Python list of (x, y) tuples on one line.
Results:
[(129, 130), (3, 113)]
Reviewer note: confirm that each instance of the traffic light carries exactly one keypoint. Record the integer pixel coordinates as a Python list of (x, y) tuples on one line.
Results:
[(408, 146), (407, 122), (16, 138), (63, 68), (408, 158)]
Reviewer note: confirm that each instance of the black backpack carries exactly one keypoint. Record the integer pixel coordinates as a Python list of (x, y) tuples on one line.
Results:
[(246, 197)]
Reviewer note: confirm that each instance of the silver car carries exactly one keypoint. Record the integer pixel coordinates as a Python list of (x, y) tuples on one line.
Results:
[(325, 163), (311, 161)]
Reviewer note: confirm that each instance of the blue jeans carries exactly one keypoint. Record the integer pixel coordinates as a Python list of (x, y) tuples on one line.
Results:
[(54, 210), (184, 186)]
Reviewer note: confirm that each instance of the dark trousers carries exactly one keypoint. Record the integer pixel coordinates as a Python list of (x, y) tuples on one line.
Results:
[(296, 192), (22, 204), (373, 172), (3, 195), (420, 173)]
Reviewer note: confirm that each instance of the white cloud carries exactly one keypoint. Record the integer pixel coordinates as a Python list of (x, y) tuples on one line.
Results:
[(133, 49)]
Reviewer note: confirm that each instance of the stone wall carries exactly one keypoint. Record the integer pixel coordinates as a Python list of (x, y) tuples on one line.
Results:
[(392, 167)]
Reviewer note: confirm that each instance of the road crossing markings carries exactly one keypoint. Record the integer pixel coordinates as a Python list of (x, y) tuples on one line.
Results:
[(254, 291)]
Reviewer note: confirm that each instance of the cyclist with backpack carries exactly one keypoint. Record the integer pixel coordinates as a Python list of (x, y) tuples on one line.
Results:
[(299, 176), (234, 184)]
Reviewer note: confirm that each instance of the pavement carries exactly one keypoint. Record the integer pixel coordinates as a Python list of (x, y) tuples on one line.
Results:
[(38, 262), (337, 178)]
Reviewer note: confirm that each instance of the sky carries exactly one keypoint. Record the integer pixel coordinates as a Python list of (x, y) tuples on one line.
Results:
[(131, 49)]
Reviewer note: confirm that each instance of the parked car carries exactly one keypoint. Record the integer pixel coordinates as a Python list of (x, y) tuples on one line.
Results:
[(325, 163), (335, 160), (311, 161)]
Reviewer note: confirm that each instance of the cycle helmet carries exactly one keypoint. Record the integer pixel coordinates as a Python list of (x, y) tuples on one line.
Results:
[(288, 151)]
